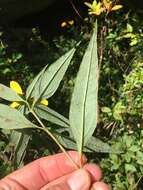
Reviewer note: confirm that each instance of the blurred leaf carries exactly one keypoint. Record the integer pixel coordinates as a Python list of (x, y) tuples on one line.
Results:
[(128, 140), (83, 110), (51, 115), (128, 35), (133, 42), (118, 110), (2, 145), (47, 82), (129, 156), (139, 157), (106, 109), (12, 119), (9, 94), (130, 168), (115, 162), (134, 148), (20, 140), (96, 145), (129, 28), (16, 56)]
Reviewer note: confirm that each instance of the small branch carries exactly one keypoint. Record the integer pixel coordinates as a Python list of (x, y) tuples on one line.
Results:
[(75, 9), (43, 128), (137, 183), (102, 34)]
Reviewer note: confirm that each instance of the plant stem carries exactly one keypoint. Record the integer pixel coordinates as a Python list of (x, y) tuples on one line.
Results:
[(132, 188), (43, 128)]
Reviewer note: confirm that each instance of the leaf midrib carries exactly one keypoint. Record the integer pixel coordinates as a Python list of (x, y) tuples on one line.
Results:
[(86, 90), (46, 87)]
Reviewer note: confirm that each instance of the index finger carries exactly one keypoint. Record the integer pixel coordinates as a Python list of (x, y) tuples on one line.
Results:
[(42, 171)]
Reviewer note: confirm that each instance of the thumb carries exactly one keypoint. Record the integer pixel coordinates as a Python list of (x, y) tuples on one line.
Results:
[(78, 180)]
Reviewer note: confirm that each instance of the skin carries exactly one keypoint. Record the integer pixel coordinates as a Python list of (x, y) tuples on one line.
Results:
[(55, 172)]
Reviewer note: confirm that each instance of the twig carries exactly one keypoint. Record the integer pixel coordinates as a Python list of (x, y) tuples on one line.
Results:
[(43, 128), (101, 48), (75, 9), (137, 183)]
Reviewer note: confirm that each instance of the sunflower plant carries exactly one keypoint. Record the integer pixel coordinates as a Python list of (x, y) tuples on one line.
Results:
[(83, 112)]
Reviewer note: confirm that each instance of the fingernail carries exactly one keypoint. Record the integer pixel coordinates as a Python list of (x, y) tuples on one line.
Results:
[(79, 180)]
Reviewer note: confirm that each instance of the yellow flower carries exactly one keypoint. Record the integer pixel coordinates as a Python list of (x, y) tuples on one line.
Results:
[(63, 24), (14, 104), (44, 102), (110, 7), (67, 23), (116, 7), (95, 8), (107, 4), (71, 22), (17, 88)]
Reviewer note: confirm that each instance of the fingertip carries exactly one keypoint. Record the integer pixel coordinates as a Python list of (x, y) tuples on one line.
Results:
[(100, 186), (80, 179), (94, 171)]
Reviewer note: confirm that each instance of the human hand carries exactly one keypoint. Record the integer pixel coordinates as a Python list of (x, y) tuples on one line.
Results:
[(55, 172)]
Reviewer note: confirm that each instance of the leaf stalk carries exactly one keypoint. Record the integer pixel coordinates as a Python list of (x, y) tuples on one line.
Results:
[(43, 128)]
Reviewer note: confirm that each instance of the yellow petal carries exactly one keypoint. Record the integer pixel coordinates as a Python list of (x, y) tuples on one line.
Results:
[(71, 22), (88, 4), (44, 102), (63, 24), (107, 1), (94, 4), (99, 9), (14, 104), (98, 12), (107, 4), (116, 7), (16, 87)]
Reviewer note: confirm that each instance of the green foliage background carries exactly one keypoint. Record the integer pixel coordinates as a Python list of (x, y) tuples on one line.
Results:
[(24, 52)]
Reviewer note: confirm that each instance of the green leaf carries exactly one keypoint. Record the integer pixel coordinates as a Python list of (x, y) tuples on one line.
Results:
[(19, 139), (134, 148), (46, 83), (83, 110), (106, 109), (96, 145), (133, 42), (31, 87), (118, 111), (129, 28), (67, 142), (51, 115), (9, 94), (12, 119), (130, 168), (129, 35)]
